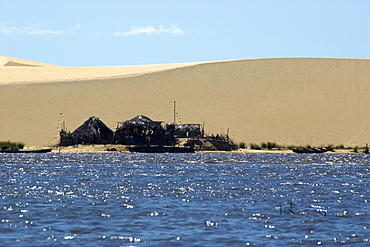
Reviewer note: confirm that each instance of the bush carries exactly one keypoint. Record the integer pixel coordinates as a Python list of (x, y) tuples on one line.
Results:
[(341, 146), (255, 146), (242, 145), (366, 151), (11, 145), (270, 145)]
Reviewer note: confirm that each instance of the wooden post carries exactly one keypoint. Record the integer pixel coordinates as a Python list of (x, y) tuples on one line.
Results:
[(204, 124), (174, 112)]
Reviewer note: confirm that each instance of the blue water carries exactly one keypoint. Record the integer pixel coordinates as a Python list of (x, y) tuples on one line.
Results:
[(184, 199)]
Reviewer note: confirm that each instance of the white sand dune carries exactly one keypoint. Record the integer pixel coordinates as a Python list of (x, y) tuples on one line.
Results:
[(289, 101), (11, 62)]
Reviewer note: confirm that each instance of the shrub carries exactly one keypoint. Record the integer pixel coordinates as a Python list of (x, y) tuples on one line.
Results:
[(11, 145), (271, 145), (242, 145), (366, 151), (341, 146), (255, 146)]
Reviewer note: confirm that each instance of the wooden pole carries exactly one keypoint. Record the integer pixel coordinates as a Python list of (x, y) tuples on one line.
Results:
[(204, 124), (174, 112)]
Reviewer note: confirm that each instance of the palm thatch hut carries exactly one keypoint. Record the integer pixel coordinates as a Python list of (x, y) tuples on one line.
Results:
[(141, 130), (92, 131), (185, 130)]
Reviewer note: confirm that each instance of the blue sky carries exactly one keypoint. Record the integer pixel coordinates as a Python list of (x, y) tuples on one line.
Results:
[(120, 32)]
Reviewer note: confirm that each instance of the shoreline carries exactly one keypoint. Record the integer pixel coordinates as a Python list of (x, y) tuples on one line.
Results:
[(123, 149)]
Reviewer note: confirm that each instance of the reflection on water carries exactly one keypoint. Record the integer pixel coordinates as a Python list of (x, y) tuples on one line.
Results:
[(184, 199)]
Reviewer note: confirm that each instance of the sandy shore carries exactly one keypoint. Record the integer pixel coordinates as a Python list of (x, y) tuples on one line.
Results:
[(123, 149), (290, 101)]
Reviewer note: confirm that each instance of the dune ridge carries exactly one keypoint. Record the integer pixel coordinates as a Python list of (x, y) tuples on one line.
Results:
[(11, 62), (51, 73), (290, 101)]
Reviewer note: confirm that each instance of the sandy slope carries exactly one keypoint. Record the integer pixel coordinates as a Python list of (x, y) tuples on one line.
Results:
[(288, 101)]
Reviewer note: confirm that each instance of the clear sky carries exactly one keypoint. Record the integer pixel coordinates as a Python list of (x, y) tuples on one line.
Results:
[(133, 32)]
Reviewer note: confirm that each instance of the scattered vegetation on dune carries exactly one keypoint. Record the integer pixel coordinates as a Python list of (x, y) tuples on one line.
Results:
[(255, 146), (275, 146), (242, 145), (4, 145), (271, 145), (340, 146), (266, 145)]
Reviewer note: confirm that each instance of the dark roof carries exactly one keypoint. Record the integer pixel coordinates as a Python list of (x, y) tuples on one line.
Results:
[(92, 126), (141, 121)]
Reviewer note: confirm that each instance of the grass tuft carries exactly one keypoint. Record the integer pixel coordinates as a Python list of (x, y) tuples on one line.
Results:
[(255, 146), (4, 145), (242, 145)]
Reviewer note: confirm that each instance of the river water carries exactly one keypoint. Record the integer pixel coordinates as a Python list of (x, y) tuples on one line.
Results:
[(208, 199)]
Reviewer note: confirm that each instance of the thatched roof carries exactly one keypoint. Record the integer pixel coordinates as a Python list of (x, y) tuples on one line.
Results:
[(141, 130), (93, 127), (141, 121), (187, 130)]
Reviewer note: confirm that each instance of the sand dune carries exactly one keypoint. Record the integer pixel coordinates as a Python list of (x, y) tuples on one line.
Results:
[(11, 62), (289, 101)]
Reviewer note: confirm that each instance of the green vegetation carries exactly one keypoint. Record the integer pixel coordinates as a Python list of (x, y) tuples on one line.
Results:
[(357, 149), (255, 146), (341, 146), (266, 145), (242, 145), (273, 145), (11, 145), (366, 151)]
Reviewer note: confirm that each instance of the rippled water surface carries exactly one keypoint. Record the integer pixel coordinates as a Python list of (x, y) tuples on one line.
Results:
[(184, 199)]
